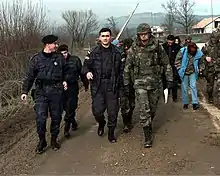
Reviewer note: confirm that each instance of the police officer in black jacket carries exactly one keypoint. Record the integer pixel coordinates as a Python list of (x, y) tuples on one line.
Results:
[(103, 68), (172, 49), (47, 70), (73, 71)]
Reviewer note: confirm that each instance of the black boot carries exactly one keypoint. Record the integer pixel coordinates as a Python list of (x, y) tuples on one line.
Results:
[(130, 125), (148, 136), (67, 129), (111, 134), (74, 126), (41, 145), (210, 99), (185, 106), (54, 144), (125, 119), (101, 128), (195, 106)]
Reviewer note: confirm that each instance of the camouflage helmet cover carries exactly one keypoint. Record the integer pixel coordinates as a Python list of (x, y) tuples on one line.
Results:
[(143, 28), (214, 35)]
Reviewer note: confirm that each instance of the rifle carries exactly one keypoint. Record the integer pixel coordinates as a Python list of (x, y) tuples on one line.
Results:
[(123, 27)]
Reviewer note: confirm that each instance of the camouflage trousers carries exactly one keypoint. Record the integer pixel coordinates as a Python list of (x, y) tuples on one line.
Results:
[(147, 101), (210, 78), (127, 101)]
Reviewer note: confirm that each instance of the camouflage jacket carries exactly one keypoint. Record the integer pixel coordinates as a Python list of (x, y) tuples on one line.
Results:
[(213, 51), (145, 64)]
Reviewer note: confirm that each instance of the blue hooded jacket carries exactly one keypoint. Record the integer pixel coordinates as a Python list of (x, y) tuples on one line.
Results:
[(185, 61)]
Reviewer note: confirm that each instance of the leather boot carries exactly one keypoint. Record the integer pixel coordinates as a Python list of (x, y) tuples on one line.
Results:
[(125, 119), (148, 136), (67, 129), (130, 125), (42, 144), (111, 134), (101, 128), (74, 126), (210, 98), (54, 144), (195, 106)]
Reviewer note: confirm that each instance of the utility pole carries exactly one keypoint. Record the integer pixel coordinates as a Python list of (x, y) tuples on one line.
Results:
[(212, 16)]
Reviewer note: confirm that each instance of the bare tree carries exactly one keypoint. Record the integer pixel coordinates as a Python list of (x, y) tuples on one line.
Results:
[(169, 23), (21, 25), (112, 24), (79, 25), (182, 12)]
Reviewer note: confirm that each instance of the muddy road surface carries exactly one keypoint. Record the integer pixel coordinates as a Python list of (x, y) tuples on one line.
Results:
[(185, 142)]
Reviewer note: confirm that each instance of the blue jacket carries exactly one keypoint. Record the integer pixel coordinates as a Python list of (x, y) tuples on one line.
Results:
[(185, 61)]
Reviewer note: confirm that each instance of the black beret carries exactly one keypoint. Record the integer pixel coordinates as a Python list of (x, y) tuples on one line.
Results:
[(171, 37), (62, 47), (48, 39)]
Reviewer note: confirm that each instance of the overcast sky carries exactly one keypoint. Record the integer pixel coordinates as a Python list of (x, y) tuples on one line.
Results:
[(106, 8)]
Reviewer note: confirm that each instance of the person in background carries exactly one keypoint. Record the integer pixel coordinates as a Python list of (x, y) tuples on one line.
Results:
[(172, 49), (187, 63), (73, 71)]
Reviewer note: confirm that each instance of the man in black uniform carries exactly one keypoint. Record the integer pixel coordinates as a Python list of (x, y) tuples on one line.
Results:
[(172, 49), (73, 71), (47, 70), (104, 69)]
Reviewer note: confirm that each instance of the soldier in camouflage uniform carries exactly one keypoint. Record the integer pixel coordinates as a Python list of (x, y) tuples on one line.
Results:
[(145, 63), (212, 61), (127, 97)]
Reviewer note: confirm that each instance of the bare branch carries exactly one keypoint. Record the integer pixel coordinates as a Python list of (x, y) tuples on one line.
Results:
[(182, 12)]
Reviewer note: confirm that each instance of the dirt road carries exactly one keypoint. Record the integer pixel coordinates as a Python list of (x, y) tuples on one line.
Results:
[(186, 142)]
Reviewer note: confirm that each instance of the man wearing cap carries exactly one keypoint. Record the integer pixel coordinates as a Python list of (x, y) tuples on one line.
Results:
[(103, 67), (188, 40), (47, 70), (172, 49), (143, 68), (73, 71)]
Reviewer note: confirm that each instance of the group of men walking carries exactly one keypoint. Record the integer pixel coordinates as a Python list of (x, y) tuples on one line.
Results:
[(119, 78)]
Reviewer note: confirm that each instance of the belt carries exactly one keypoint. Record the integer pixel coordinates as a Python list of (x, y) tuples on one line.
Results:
[(105, 77), (48, 82)]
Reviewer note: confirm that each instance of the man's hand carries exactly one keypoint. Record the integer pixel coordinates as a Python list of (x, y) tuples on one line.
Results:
[(65, 85), (208, 59), (24, 98), (169, 84), (89, 75)]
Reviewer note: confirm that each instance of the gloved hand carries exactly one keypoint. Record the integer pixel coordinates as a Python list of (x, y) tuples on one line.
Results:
[(169, 84)]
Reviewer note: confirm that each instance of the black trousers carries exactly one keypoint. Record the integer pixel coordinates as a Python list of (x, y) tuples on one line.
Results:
[(48, 99), (105, 99), (70, 100)]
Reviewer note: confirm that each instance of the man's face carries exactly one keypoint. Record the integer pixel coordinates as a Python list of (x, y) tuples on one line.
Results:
[(170, 42), (64, 53), (188, 41), (52, 46), (144, 36), (105, 38)]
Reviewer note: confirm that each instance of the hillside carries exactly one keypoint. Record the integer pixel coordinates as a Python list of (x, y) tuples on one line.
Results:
[(148, 17)]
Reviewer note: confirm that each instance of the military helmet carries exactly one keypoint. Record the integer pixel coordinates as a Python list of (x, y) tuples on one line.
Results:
[(214, 35), (143, 28)]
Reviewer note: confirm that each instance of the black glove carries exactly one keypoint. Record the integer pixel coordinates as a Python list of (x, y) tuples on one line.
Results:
[(169, 84)]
